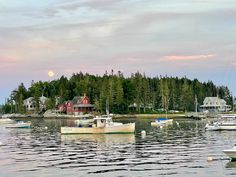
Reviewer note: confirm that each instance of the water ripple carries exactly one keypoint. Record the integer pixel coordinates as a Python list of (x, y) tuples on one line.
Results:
[(171, 151)]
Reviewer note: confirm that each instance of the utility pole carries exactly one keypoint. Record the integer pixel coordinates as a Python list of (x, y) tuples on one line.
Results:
[(232, 102), (196, 103)]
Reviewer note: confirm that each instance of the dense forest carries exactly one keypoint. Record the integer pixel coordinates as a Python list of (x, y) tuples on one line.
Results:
[(135, 94)]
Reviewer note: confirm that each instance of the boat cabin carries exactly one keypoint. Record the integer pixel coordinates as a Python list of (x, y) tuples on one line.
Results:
[(101, 122)]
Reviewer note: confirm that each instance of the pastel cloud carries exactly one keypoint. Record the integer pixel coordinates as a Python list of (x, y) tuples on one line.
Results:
[(8, 60), (234, 63), (128, 35), (188, 57)]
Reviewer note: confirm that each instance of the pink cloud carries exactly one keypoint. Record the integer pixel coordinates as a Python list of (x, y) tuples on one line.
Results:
[(131, 59), (7, 60), (188, 57)]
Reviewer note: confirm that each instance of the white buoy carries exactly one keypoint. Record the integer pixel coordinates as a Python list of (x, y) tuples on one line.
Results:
[(209, 159), (1, 144), (143, 133), (177, 123), (46, 128)]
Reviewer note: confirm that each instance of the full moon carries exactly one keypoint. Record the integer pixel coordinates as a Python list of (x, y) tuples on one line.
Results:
[(51, 73)]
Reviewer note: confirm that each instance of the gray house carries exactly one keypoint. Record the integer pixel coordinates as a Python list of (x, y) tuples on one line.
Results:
[(214, 104), (30, 105)]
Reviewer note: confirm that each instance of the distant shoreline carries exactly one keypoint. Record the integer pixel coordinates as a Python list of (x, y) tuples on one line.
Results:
[(115, 116), (151, 116)]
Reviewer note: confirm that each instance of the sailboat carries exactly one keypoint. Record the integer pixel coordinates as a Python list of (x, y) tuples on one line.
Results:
[(102, 124), (162, 120), (196, 114)]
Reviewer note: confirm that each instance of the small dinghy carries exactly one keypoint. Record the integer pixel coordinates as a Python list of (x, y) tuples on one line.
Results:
[(162, 121), (20, 124)]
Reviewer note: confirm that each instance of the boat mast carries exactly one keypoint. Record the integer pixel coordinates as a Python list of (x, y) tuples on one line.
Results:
[(166, 105), (196, 103), (232, 102), (107, 107)]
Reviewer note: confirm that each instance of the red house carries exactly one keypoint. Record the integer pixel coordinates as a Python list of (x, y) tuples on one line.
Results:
[(76, 106)]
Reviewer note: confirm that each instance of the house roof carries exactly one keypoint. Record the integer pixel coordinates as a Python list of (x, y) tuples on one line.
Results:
[(78, 99), (213, 101)]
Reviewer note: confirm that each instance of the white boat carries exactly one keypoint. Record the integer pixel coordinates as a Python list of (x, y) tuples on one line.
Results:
[(4, 116), (162, 121), (102, 124), (231, 152), (20, 124), (228, 125), (212, 127), (6, 121), (13, 115), (232, 116)]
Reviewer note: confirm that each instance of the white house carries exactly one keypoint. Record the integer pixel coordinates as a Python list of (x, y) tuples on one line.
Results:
[(30, 105), (215, 104)]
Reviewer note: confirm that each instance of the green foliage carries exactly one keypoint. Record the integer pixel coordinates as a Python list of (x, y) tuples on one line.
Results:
[(6, 109), (50, 103), (135, 94)]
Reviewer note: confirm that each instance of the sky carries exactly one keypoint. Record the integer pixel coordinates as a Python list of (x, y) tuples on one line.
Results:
[(192, 38)]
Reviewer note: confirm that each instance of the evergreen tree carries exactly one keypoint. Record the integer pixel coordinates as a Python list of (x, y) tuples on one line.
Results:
[(137, 93)]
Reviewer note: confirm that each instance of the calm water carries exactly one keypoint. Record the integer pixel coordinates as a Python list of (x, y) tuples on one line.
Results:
[(171, 151)]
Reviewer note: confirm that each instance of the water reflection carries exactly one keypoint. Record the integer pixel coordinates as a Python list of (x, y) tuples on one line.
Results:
[(100, 138)]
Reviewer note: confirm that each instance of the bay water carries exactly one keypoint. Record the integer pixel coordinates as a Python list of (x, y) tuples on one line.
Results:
[(180, 150)]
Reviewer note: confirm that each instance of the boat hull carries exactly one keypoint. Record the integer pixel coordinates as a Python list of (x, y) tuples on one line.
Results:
[(221, 127), (231, 153), (162, 123), (228, 127), (19, 125), (212, 128), (118, 129)]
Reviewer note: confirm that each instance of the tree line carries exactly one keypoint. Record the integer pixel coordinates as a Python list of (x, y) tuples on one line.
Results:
[(134, 94)]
